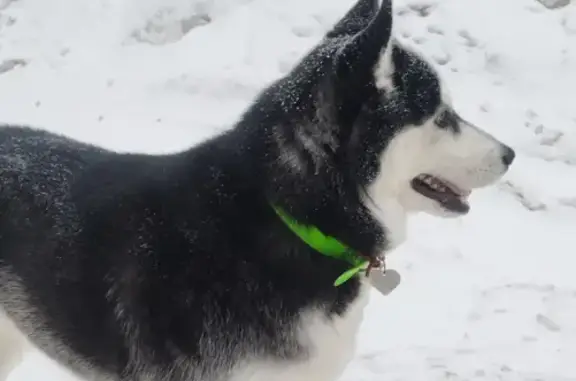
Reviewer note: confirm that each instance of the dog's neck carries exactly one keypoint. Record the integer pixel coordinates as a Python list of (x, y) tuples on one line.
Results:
[(336, 211), (330, 247), (392, 216)]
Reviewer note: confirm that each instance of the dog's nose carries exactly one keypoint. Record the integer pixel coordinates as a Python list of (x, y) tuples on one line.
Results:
[(508, 156)]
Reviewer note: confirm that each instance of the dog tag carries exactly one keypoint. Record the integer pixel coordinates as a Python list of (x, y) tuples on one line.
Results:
[(386, 282)]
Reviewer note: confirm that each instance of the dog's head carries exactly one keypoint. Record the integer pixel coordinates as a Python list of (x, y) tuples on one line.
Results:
[(365, 124), (424, 155), (382, 113)]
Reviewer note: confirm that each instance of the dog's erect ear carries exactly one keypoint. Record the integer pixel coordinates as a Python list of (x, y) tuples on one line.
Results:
[(362, 61), (359, 56), (357, 18)]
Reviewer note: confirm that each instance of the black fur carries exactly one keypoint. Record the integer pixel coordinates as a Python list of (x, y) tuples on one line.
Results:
[(115, 250)]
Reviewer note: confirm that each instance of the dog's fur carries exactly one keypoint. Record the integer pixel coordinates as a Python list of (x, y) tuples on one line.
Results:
[(175, 267)]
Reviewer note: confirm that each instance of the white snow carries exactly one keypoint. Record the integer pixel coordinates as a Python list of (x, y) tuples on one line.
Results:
[(490, 296)]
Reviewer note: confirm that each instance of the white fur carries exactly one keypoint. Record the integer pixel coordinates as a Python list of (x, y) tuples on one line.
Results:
[(384, 69), (390, 214), (330, 343), (469, 159), (12, 347)]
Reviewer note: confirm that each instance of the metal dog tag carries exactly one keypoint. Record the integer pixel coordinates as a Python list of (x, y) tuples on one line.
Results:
[(386, 282)]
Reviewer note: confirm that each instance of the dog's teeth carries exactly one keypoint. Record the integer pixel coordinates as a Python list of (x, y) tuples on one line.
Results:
[(439, 186)]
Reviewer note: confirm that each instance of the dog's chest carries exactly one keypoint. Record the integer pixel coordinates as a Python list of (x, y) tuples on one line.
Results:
[(331, 344)]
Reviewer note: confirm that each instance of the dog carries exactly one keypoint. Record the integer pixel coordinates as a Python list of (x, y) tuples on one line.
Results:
[(195, 265)]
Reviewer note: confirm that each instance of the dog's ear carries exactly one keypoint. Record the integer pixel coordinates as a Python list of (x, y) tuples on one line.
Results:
[(358, 57), (362, 62), (357, 18)]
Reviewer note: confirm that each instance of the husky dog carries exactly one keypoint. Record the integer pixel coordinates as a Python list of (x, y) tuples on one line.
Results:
[(178, 267)]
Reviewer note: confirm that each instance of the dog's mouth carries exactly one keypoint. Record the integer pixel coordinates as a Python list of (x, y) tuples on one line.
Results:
[(442, 191)]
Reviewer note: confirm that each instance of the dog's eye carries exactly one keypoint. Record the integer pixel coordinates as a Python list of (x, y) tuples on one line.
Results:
[(447, 119)]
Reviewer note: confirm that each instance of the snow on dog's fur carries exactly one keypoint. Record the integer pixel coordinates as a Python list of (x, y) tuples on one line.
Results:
[(176, 267)]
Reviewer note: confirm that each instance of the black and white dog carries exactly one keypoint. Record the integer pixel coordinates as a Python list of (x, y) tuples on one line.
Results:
[(177, 267)]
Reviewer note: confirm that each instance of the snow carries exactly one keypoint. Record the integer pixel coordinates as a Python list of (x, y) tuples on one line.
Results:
[(490, 296)]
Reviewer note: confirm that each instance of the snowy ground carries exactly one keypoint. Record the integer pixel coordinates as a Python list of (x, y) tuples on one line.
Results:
[(491, 296)]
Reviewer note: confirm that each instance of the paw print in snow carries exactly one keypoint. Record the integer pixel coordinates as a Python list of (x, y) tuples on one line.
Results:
[(435, 29), (11, 64), (546, 136), (469, 40), (524, 197), (554, 4), (442, 58), (421, 9)]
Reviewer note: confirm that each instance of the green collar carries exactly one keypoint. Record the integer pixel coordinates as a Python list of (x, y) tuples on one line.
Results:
[(326, 245)]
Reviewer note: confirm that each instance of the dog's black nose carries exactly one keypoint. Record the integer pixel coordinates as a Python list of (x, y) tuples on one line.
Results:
[(508, 155)]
